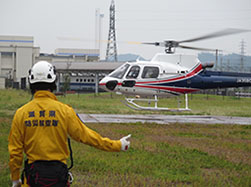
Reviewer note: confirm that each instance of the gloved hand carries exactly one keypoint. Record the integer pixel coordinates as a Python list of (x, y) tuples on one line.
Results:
[(16, 183), (125, 144)]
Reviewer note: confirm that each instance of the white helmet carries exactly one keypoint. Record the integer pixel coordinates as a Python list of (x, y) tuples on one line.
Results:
[(42, 71)]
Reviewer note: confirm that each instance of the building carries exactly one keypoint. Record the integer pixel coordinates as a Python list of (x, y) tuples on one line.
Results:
[(17, 55), (71, 55), (83, 66)]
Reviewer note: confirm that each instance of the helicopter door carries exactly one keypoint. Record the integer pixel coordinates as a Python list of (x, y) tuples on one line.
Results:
[(132, 74)]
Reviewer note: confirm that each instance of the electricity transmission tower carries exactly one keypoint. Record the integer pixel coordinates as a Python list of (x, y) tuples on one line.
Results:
[(111, 51)]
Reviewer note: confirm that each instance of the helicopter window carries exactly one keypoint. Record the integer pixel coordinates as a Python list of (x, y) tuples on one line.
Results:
[(133, 73), (120, 72), (150, 72)]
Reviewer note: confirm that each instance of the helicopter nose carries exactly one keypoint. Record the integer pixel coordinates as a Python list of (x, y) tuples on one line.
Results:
[(111, 85)]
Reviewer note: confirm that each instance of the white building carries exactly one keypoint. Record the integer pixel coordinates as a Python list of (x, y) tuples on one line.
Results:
[(71, 55), (17, 55)]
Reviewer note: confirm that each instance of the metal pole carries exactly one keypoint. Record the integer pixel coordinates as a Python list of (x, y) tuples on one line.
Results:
[(97, 13), (58, 82), (100, 33), (96, 82), (186, 100), (156, 101), (216, 59)]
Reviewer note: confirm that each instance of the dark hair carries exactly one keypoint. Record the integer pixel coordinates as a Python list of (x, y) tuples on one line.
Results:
[(43, 86)]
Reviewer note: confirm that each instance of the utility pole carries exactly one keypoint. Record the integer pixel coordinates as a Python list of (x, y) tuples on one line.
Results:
[(242, 52), (216, 59), (228, 65), (97, 13), (111, 51), (221, 63), (98, 30)]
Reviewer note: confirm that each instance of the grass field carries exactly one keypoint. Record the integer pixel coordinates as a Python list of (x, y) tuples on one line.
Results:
[(160, 155)]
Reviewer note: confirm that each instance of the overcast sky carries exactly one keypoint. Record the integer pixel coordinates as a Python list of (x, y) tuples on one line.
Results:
[(136, 20)]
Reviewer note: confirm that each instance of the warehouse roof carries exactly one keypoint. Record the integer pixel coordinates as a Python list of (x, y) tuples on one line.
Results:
[(86, 66)]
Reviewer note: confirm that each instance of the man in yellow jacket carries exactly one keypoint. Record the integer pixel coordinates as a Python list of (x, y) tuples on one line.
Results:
[(40, 129)]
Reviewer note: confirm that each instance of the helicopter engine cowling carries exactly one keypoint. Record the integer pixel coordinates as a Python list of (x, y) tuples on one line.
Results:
[(207, 65)]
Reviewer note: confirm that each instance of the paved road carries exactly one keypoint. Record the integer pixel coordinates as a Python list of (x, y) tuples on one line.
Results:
[(163, 119)]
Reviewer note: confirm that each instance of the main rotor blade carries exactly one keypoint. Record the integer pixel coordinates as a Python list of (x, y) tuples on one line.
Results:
[(152, 43), (162, 44), (217, 34), (196, 48), (63, 38), (132, 42)]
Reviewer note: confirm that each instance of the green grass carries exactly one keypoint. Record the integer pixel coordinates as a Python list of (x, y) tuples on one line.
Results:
[(199, 104), (160, 155), (111, 103)]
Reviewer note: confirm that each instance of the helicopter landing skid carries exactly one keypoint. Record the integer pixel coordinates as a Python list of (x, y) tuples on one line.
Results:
[(130, 103)]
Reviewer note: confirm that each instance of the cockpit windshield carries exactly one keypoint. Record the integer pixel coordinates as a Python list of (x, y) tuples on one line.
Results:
[(120, 72)]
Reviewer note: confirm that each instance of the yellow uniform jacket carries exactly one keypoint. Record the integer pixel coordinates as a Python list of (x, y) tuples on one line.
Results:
[(40, 129)]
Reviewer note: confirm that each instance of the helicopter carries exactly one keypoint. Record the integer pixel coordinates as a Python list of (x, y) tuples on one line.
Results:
[(169, 74)]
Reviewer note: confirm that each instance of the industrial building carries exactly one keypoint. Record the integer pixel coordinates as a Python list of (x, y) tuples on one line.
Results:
[(71, 55), (18, 54)]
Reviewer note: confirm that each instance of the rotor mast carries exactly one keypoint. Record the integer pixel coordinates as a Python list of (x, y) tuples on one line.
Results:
[(170, 45)]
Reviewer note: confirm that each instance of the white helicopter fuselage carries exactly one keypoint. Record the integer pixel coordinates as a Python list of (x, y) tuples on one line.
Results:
[(146, 78), (172, 74)]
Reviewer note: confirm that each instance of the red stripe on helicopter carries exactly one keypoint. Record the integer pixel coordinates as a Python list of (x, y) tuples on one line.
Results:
[(195, 71), (172, 89)]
